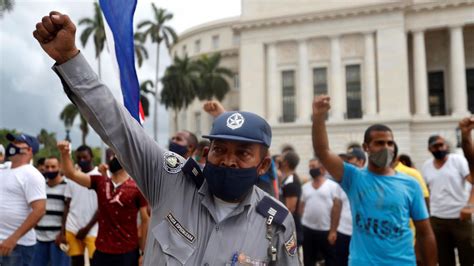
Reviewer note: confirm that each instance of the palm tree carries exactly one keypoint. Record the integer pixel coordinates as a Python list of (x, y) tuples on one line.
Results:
[(95, 26), (158, 32), (6, 6), (68, 115), (144, 90), (212, 82), (179, 85), (140, 50)]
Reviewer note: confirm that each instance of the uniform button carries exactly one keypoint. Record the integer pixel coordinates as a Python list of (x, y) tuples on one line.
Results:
[(217, 228), (206, 264)]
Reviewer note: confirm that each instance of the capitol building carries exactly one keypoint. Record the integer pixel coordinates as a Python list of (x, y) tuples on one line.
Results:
[(407, 63)]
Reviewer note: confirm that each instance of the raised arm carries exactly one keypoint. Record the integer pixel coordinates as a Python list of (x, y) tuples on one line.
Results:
[(137, 152), (467, 125), (68, 167), (331, 161)]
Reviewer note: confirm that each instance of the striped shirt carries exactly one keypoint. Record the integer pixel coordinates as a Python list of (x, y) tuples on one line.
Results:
[(50, 225)]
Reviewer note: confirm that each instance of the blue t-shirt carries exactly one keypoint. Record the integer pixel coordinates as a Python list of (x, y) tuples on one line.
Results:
[(381, 209)]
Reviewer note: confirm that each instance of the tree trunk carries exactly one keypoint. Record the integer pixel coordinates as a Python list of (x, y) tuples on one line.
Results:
[(157, 95), (175, 121)]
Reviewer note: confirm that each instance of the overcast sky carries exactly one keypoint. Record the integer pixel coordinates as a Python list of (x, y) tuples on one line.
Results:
[(31, 96)]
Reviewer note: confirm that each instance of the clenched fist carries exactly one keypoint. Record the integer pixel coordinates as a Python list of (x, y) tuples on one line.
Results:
[(466, 125), (213, 108), (321, 105), (56, 35)]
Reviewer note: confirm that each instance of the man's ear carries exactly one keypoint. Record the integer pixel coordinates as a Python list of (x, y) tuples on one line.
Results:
[(205, 152), (264, 166), (365, 147)]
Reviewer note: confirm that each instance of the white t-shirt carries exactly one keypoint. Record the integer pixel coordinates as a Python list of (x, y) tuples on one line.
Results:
[(345, 222), (318, 204), (82, 207), (18, 188), (449, 189)]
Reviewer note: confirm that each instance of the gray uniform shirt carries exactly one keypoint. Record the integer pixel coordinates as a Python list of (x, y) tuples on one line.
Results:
[(183, 227)]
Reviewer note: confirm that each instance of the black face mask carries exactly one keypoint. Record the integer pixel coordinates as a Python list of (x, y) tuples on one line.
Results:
[(178, 149), (114, 165), (50, 175), (12, 150), (85, 166), (315, 172), (229, 184), (439, 155)]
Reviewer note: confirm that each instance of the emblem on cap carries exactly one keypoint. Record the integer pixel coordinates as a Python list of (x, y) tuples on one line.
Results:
[(171, 163), (235, 121)]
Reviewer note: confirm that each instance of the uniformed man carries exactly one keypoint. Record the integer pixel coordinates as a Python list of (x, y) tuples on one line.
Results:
[(217, 217)]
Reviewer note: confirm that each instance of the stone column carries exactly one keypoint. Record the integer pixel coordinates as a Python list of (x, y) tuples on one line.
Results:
[(370, 94), (305, 93), (420, 74), (336, 90), (273, 96), (457, 69)]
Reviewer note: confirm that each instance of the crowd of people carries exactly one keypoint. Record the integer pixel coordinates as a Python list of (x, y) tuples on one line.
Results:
[(225, 200)]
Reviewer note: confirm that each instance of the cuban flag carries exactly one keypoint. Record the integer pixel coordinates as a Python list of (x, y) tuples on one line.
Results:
[(118, 25)]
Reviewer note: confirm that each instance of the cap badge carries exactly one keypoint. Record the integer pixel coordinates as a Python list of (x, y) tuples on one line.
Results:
[(235, 121)]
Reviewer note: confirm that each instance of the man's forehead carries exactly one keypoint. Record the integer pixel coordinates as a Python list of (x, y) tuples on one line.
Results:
[(242, 144), (50, 161), (381, 135)]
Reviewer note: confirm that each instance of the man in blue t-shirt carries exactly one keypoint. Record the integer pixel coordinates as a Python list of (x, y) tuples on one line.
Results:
[(382, 200)]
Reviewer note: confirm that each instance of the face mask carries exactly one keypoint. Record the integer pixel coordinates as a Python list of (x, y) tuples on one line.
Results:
[(114, 165), (51, 175), (178, 149), (315, 172), (229, 184), (12, 150), (382, 158), (439, 155), (85, 166)]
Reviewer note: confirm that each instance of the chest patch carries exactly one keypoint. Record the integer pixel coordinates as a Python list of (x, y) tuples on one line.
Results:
[(171, 163), (179, 228), (290, 245)]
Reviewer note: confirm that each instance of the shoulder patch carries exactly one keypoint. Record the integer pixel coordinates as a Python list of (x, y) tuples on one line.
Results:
[(270, 209), (171, 162), (290, 245), (192, 170)]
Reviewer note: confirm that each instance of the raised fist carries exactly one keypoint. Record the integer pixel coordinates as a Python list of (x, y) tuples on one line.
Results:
[(321, 105), (56, 35), (213, 108), (466, 125), (64, 147)]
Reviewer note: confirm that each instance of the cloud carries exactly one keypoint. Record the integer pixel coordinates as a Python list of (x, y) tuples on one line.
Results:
[(31, 95)]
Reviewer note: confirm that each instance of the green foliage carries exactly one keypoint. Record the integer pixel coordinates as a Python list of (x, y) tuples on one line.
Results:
[(179, 84), (157, 29), (3, 135), (69, 114), (212, 82), (95, 27)]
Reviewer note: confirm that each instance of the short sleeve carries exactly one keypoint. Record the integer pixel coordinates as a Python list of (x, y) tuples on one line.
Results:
[(292, 190), (337, 192), (350, 174), (418, 209), (463, 167), (95, 179), (141, 201), (68, 190), (34, 186)]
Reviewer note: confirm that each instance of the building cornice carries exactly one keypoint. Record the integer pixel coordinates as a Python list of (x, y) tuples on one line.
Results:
[(224, 53), (348, 12)]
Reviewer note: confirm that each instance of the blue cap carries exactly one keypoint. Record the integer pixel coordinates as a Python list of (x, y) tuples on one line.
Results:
[(241, 126), (31, 141)]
